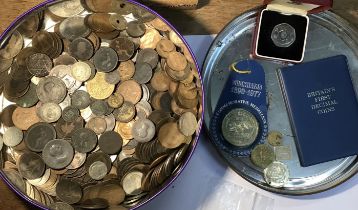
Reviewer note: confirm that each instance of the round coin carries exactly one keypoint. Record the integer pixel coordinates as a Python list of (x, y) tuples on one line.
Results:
[(126, 70), (132, 183), (81, 71), (118, 22), (84, 140), (1, 143), (13, 136), (69, 191), (24, 118), (110, 142), (29, 99), (262, 156), (143, 73), (70, 114), (130, 90), (6, 115), (164, 47), (124, 48), (60, 206), (115, 101), (81, 48), (276, 174), (39, 64), (143, 130), (135, 29), (65, 129), (113, 77), (97, 124), (50, 112), (81, 99), (169, 136), (78, 160), (97, 170), (283, 35), (74, 27), (39, 135), (275, 138), (98, 88), (148, 56), (12, 47), (150, 39), (125, 113), (177, 61), (99, 107), (51, 89), (105, 59), (58, 154), (160, 81), (240, 127), (187, 124), (31, 166), (67, 8)]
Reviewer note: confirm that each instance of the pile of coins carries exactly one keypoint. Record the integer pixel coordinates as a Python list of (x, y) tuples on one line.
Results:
[(103, 101)]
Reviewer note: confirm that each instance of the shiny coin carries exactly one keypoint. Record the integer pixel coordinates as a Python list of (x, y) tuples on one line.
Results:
[(81, 71), (98, 88), (143, 73), (125, 113), (12, 47), (126, 70), (78, 160), (31, 165), (39, 64), (240, 128), (130, 90), (69, 191), (105, 59), (58, 154), (70, 114), (132, 183), (150, 39), (148, 56), (115, 101), (24, 118), (99, 107), (118, 22), (74, 27), (110, 142), (81, 48), (29, 99), (262, 156), (143, 130), (113, 77), (136, 29), (97, 170), (276, 174), (60, 206), (84, 140), (170, 136), (67, 8), (187, 124), (124, 48), (97, 124), (50, 112), (81, 99), (177, 61), (165, 47), (274, 138), (283, 35), (39, 135), (51, 89), (12, 136)]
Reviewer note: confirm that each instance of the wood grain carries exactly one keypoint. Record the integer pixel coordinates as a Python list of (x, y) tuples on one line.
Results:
[(209, 18)]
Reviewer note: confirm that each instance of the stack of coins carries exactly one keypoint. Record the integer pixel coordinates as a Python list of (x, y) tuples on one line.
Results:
[(102, 106)]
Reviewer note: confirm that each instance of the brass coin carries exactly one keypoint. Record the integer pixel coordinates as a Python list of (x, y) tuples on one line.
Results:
[(126, 70), (124, 48), (262, 156), (58, 154), (115, 101), (98, 88), (24, 118), (118, 22), (170, 136), (81, 48), (150, 39), (51, 89), (13, 46), (50, 112), (187, 124), (177, 61), (125, 113), (165, 47), (130, 90), (97, 124), (275, 138), (105, 59), (31, 165), (125, 129), (39, 135), (39, 64), (136, 29)]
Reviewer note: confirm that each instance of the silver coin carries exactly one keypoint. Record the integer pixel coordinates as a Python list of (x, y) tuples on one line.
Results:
[(132, 183), (143, 130), (276, 174), (67, 8), (97, 170), (51, 89), (240, 127), (283, 35), (50, 112), (13, 136), (58, 154), (146, 93), (143, 109), (78, 160)]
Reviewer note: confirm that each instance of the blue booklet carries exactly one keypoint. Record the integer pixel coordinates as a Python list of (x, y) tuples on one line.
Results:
[(323, 109)]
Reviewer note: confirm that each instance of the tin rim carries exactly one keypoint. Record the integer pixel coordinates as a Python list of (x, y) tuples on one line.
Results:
[(193, 145)]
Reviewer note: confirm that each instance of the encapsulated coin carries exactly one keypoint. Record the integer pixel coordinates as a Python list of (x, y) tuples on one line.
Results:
[(81, 48), (29, 99), (126, 70), (132, 183), (143, 130), (98, 88), (105, 59), (115, 101), (124, 48), (110, 142), (169, 136), (13, 136), (275, 138), (58, 154), (67, 8), (97, 170), (143, 73), (51, 89), (240, 127), (74, 27), (69, 191), (283, 35), (39, 64), (84, 140), (81, 99), (13, 46), (188, 124), (125, 113), (50, 112), (262, 156), (130, 90), (31, 165), (60, 206), (97, 124), (276, 174), (24, 118), (39, 135)]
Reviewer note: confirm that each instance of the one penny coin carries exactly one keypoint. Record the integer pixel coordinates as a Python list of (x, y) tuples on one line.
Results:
[(39, 135), (31, 166), (84, 140), (126, 70), (24, 118), (130, 90), (110, 142), (58, 154), (69, 191)]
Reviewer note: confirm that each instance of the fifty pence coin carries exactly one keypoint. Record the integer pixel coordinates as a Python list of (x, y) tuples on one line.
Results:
[(58, 154), (283, 35), (276, 174)]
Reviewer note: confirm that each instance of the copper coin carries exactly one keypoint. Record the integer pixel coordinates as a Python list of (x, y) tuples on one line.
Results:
[(177, 61), (124, 48), (65, 60), (130, 90), (24, 118), (125, 113), (70, 113), (150, 39), (80, 99), (69, 191), (31, 165), (105, 59), (143, 73), (58, 154), (81, 48), (95, 40), (188, 91), (143, 15), (178, 75), (29, 99), (51, 89), (30, 25), (65, 129), (118, 22), (110, 142), (47, 43), (39, 135), (165, 47), (113, 77), (5, 64), (170, 136), (160, 81), (125, 129), (160, 25), (14, 89), (78, 160), (6, 115), (99, 107), (19, 69), (100, 22), (97, 124), (98, 5), (12, 46), (148, 56), (136, 29), (187, 124), (126, 70), (115, 101), (39, 64), (84, 140)]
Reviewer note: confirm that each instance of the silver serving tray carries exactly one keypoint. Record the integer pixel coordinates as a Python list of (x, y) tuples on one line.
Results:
[(328, 35)]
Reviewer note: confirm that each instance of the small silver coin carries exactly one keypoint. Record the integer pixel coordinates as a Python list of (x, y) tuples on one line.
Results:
[(58, 154), (240, 127), (283, 35), (13, 136), (97, 170), (50, 112), (143, 130), (276, 174)]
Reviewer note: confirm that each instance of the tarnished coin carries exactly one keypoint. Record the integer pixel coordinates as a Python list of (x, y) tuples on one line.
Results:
[(39, 135), (81, 71), (6, 115), (84, 140), (98, 88), (115, 101), (187, 124), (51, 89), (283, 35), (29, 99), (65, 59), (124, 48), (125, 129), (105, 59), (15, 179), (58, 154), (81, 48), (160, 81), (111, 122), (70, 114), (74, 27), (150, 39), (50, 112), (143, 130), (65, 129), (99, 107), (5, 64), (67, 8), (125, 113), (240, 127), (78, 160), (31, 165), (276, 174), (69, 191), (13, 46), (143, 73), (177, 61), (99, 156), (132, 183), (143, 15), (188, 91), (113, 77), (126, 70), (148, 56), (160, 25), (144, 109), (30, 25), (60, 206), (165, 47), (274, 138), (1, 143), (118, 22), (39, 64), (97, 170), (81, 99), (170, 136), (97, 124), (130, 90), (262, 156), (12, 136), (136, 29), (110, 142), (24, 118)]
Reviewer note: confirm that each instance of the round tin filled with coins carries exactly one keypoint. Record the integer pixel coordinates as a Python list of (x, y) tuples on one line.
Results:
[(101, 105), (274, 165)]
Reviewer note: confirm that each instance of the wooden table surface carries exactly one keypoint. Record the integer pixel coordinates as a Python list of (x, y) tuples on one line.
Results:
[(210, 18)]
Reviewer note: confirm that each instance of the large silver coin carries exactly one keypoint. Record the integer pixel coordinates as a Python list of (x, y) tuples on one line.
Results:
[(58, 154), (51, 89), (283, 35), (240, 127), (276, 174)]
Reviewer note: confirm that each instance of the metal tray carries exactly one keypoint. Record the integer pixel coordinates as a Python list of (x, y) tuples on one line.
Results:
[(328, 35)]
